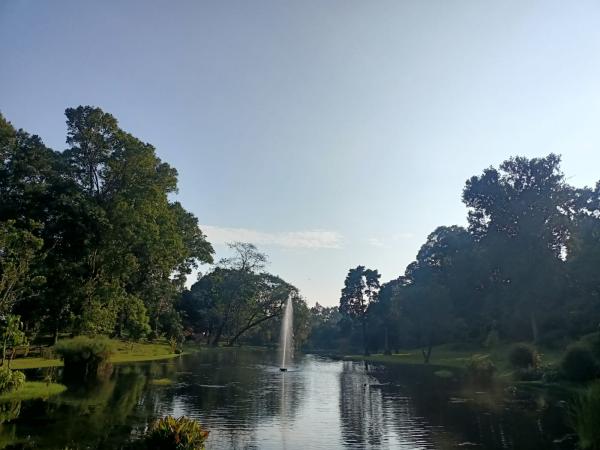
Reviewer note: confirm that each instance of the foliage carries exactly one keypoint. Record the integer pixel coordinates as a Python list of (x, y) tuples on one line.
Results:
[(522, 356), (361, 288), (12, 334), (84, 357), (10, 380), (96, 223), (171, 433), (481, 369), (18, 250), (579, 364), (235, 300), (585, 411)]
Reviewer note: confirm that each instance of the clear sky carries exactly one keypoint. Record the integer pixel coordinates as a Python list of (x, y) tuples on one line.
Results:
[(330, 133)]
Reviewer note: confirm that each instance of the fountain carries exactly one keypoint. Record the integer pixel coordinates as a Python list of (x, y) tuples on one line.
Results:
[(286, 337)]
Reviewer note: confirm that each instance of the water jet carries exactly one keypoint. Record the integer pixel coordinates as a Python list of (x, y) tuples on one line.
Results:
[(286, 336)]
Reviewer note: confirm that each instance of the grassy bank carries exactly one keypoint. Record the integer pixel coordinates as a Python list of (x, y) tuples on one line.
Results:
[(124, 352), (33, 389), (453, 356)]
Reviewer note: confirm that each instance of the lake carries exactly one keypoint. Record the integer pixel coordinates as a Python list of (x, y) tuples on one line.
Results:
[(247, 403)]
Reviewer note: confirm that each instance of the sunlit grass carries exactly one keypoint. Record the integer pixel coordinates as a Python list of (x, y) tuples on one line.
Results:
[(124, 352), (32, 390), (161, 382)]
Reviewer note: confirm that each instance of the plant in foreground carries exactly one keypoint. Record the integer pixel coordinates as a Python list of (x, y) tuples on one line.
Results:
[(170, 433), (584, 418)]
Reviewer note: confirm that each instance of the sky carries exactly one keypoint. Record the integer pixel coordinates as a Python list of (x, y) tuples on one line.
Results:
[(330, 133)]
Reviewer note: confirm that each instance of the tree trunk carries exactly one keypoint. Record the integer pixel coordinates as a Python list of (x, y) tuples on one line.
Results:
[(55, 335), (386, 349), (427, 354), (217, 338), (364, 333)]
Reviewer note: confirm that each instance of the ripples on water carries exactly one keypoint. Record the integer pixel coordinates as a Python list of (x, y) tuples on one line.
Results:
[(247, 403)]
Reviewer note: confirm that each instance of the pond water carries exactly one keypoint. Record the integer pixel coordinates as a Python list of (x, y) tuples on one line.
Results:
[(247, 403)]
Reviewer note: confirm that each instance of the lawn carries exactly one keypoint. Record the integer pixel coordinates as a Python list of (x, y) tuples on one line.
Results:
[(33, 389), (452, 355), (124, 352)]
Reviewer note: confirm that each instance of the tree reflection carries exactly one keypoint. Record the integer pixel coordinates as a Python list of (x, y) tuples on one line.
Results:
[(360, 407)]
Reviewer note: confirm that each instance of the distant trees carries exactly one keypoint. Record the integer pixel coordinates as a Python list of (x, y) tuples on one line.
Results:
[(238, 296), (90, 233)]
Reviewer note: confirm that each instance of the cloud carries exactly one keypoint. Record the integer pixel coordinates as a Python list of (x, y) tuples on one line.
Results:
[(312, 239)]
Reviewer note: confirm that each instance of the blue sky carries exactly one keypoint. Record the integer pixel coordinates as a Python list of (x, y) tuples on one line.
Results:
[(330, 133)]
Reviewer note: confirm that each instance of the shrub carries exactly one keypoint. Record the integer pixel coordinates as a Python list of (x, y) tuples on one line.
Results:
[(84, 357), (523, 356), (578, 364), (528, 374), (170, 433), (10, 380), (584, 417), (481, 369)]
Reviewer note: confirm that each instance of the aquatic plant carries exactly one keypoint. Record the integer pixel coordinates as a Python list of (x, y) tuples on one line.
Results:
[(170, 433), (84, 356), (584, 418)]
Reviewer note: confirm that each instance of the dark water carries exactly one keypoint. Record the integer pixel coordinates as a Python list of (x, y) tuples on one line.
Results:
[(246, 403)]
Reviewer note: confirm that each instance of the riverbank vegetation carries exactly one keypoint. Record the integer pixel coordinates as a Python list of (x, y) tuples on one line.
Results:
[(92, 244), (518, 284)]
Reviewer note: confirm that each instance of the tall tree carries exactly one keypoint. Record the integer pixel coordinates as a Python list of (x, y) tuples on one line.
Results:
[(520, 215), (360, 290)]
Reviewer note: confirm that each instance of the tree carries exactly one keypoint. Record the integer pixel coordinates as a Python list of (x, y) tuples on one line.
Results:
[(235, 297), (117, 250), (246, 258), (360, 290), (387, 309), (12, 335), (520, 215), (18, 250)]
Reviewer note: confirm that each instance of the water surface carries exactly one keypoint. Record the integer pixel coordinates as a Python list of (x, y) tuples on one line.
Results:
[(247, 403)]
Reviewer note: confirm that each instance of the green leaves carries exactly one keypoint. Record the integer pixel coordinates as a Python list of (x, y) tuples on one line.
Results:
[(117, 249)]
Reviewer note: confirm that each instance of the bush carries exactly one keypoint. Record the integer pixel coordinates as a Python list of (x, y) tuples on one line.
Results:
[(523, 356), (10, 380), (481, 369), (84, 357), (529, 374), (579, 364), (584, 417), (170, 433)]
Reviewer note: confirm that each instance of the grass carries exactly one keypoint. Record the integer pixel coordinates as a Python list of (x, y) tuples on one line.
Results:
[(124, 352), (454, 356), (32, 390), (161, 382)]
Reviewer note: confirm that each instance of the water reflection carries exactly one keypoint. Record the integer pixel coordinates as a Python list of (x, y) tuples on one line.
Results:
[(248, 404)]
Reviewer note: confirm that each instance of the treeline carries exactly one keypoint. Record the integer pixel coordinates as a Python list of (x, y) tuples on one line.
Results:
[(90, 242), (526, 268)]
